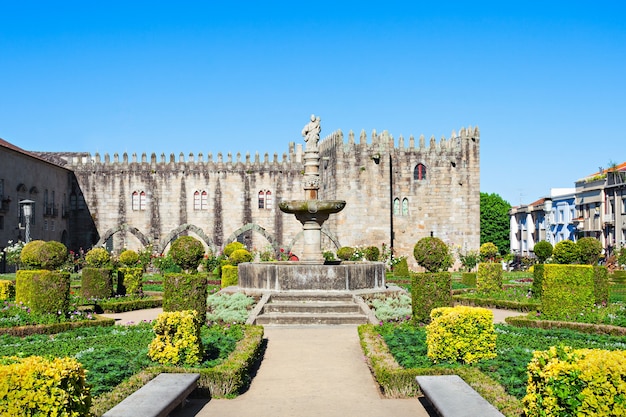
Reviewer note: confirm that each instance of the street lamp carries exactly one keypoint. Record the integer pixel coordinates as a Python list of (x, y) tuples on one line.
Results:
[(27, 211), (547, 209)]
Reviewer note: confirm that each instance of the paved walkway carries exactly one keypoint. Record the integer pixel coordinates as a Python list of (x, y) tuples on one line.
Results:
[(306, 371)]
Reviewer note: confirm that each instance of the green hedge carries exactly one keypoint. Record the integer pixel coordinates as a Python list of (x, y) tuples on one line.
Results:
[(601, 284), (430, 290), (7, 290), (56, 327), (567, 291), (537, 279), (119, 305), (96, 283), (130, 281), (185, 292), (230, 276), (43, 291), (468, 300), (524, 321), (469, 279), (489, 277), (401, 269)]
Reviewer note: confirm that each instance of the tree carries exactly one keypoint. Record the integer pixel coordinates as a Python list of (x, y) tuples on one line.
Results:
[(494, 221), (543, 250), (432, 254)]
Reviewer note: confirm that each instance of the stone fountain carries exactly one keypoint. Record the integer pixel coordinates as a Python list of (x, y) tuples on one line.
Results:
[(311, 272)]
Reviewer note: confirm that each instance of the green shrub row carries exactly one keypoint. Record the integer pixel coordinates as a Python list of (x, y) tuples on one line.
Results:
[(96, 283), (590, 328), (185, 292), (567, 291), (121, 305), (56, 327), (468, 300)]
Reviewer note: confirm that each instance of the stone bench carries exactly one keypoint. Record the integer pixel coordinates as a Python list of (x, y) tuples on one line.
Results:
[(452, 397), (157, 398)]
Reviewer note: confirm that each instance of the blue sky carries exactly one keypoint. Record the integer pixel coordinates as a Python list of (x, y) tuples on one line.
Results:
[(543, 80)]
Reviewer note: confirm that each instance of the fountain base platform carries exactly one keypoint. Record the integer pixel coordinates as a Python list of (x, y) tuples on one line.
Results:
[(303, 276)]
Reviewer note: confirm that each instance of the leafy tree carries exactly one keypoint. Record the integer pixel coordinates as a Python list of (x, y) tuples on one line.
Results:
[(187, 252), (488, 252), (543, 250), (494, 221)]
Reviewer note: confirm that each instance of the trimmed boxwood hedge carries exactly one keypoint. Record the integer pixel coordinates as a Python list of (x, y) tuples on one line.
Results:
[(96, 282), (185, 292), (430, 290), (56, 327), (43, 291)]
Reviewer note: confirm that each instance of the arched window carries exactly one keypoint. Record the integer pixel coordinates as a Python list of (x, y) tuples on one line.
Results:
[(396, 206), (200, 200), (419, 173), (138, 200), (265, 200), (268, 200), (405, 206)]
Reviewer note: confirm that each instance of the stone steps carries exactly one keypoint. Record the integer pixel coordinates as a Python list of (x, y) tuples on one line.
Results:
[(310, 309)]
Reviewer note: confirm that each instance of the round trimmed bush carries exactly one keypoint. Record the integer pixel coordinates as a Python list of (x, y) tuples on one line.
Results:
[(187, 252), (129, 258), (565, 252), (589, 250), (97, 258), (29, 258), (43, 255), (240, 256), (488, 251), (345, 253), (233, 246), (432, 254), (543, 250), (372, 253)]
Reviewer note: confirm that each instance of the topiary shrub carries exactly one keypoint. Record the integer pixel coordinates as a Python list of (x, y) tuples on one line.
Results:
[(187, 253), (130, 281), (601, 284), (565, 252), (7, 290), (97, 258), (432, 254), (430, 290), (461, 334), (43, 255), (177, 339), (96, 283), (37, 386), (129, 258), (489, 277), (345, 253), (401, 267), (372, 253), (488, 252), (543, 250), (231, 247), (567, 291), (239, 256), (469, 279), (43, 291), (589, 250), (537, 279), (185, 292), (230, 276)]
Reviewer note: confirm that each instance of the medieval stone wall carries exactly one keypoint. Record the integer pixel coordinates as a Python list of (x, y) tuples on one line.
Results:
[(444, 199)]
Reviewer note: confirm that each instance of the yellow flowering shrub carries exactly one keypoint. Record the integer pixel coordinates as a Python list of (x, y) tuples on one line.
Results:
[(177, 340), (230, 276), (7, 289), (36, 386), (461, 334), (584, 382)]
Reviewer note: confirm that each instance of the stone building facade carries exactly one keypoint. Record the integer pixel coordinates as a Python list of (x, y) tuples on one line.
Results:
[(408, 190)]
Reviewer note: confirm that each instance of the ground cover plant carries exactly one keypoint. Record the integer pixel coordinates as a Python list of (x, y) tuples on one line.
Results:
[(226, 308), (113, 354), (514, 347)]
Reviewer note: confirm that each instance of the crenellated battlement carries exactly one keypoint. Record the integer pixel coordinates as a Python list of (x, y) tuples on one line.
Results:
[(385, 141)]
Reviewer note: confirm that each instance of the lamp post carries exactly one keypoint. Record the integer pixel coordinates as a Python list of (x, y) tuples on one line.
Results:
[(547, 210), (27, 211)]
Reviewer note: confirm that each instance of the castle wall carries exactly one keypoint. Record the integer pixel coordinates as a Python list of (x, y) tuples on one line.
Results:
[(445, 201)]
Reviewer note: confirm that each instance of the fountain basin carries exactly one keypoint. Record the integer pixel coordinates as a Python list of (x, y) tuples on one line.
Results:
[(312, 206), (290, 276)]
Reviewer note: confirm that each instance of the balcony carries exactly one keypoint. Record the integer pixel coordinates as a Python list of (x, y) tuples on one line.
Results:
[(608, 218)]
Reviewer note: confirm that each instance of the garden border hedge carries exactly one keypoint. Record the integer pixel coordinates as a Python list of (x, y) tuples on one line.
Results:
[(398, 382), (56, 327), (495, 303), (590, 328), (121, 306), (227, 379)]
